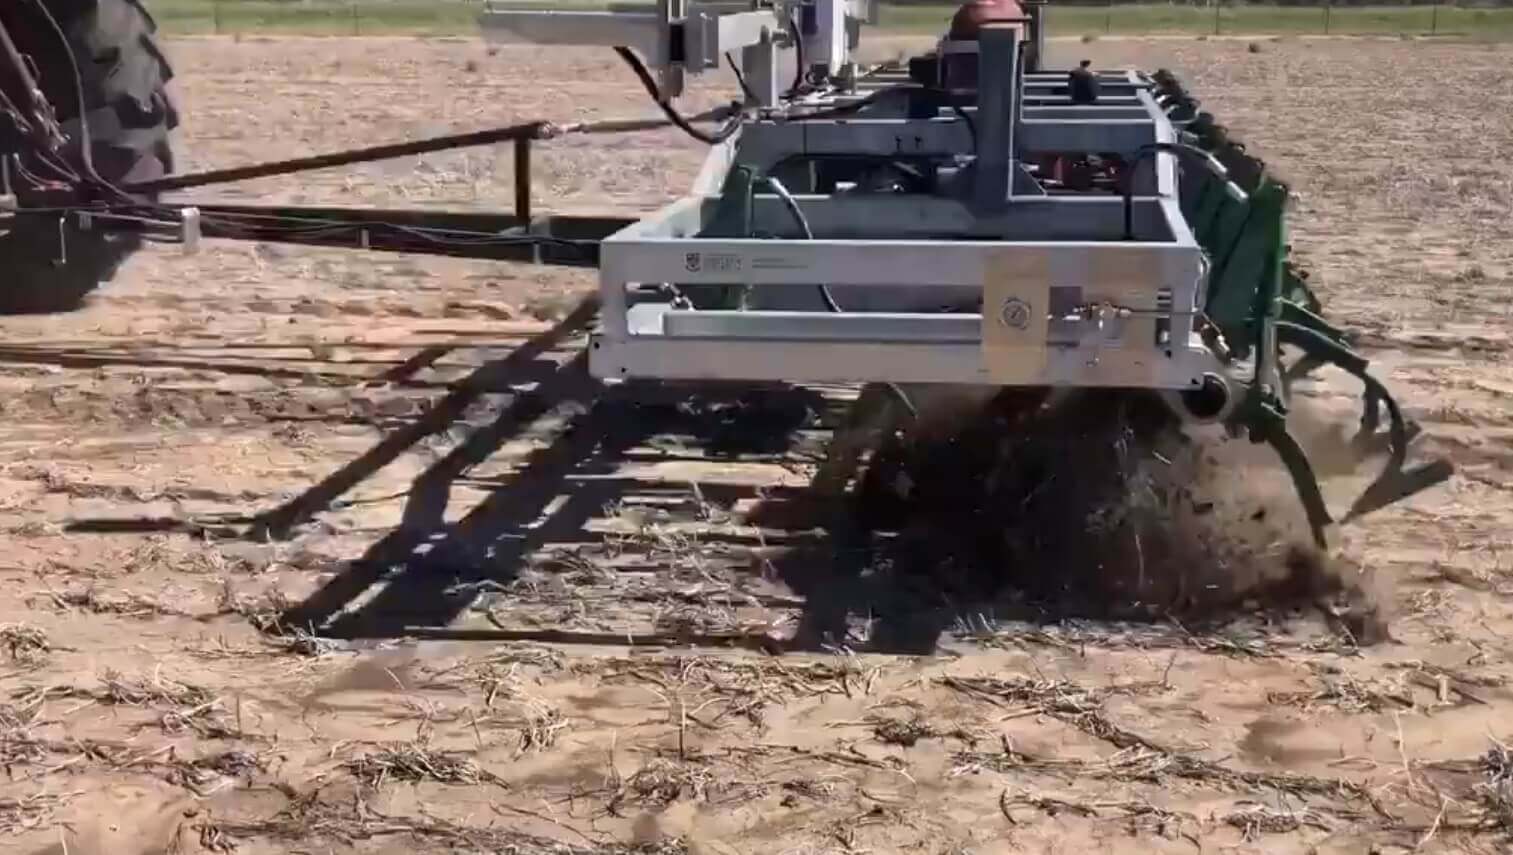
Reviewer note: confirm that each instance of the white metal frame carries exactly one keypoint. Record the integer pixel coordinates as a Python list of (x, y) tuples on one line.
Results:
[(1036, 290), (708, 31), (1137, 280)]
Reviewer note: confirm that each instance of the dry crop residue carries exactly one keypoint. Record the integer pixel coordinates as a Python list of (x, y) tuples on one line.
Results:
[(668, 649)]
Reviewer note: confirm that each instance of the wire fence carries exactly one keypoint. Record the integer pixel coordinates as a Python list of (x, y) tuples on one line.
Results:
[(318, 17), (1220, 18), (1079, 18)]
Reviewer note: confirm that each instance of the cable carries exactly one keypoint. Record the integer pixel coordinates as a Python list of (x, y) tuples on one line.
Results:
[(1203, 158), (60, 167), (32, 178), (792, 205), (798, 54), (971, 125), (668, 110), (831, 305), (85, 156), (741, 79)]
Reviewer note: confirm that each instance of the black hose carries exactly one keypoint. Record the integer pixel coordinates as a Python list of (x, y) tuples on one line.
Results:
[(798, 54), (1207, 160), (740, 78), (831, 305), (668, 110), (792, 204)]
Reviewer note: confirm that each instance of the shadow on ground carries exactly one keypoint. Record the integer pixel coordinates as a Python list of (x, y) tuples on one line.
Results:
[(1018, 517)]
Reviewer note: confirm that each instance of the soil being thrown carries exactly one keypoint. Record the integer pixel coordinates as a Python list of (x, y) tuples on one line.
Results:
[(1103, 504)]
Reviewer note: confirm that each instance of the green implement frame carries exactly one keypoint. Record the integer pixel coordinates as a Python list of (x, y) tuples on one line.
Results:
[(1259, 311)]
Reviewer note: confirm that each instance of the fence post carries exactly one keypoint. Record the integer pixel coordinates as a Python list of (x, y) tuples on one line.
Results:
[(1108, 17), (1434, 18), (356, 20), (1327, 6), (215, 15), (1217, 6)]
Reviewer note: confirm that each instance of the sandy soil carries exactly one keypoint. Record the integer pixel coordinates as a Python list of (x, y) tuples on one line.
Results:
[(602, 620)]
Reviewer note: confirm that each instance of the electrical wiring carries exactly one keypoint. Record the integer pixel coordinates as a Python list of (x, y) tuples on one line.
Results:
[(158, 218), (740, 78), (650, 85), (798, 54), (792, 204), (22, 172), (58, 166), (86, 158)]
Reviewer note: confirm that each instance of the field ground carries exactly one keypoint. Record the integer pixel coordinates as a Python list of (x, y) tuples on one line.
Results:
[(459, 17), (649, 660)]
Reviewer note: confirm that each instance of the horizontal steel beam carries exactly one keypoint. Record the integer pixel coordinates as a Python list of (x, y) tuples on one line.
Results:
[(764, 144), (1128, 268), (843, 361), (640, 29), (520, 134), (811, 326), (567, 241)]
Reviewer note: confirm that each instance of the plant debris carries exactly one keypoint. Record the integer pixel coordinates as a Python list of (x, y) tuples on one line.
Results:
[(123, 603), (409, 761), (214, 772), (540, 730), (724, 687), (1350, 695), (661, 782), (1495, 794), (264, 612), (183, 706), (309, 817), (1256, 820), (18, 815), (25, 644), (903, 732)]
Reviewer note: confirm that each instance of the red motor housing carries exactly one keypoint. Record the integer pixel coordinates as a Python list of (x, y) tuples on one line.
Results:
[(974, 13), (958, 52)]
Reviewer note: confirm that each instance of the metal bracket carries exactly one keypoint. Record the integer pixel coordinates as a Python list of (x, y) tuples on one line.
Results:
[(189, 229)]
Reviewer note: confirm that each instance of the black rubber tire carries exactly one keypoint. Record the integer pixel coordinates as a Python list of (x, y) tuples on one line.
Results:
[(123, 75)]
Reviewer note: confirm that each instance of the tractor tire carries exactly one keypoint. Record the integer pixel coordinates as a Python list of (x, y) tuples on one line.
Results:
[(123, 75)]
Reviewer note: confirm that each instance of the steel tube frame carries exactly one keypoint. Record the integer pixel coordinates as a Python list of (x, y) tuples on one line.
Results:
[(1054, 251)]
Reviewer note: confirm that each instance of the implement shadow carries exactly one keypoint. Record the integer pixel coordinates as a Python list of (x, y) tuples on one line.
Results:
[(428, 571), (519, 366), (856, 579)]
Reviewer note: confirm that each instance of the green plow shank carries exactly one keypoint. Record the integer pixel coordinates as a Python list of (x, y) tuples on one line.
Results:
[(1258, 303)]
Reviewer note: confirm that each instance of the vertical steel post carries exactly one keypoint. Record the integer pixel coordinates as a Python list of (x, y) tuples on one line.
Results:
[(674, 37), (1327, 6), (830, 48), (759, 66), (997, 99), (1218, 4), (1036, 13), (523, 180)]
